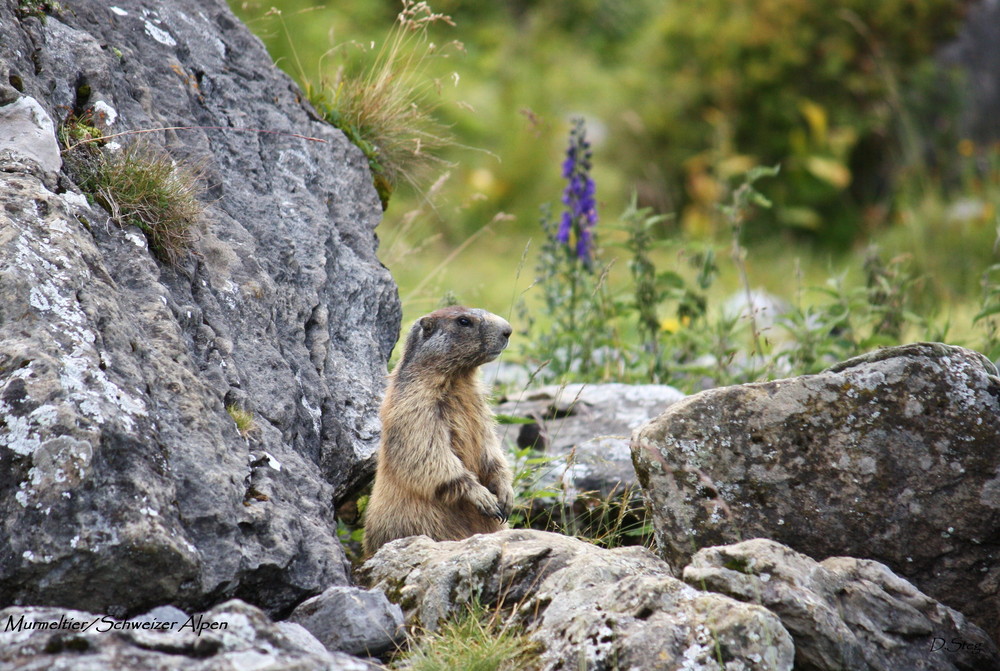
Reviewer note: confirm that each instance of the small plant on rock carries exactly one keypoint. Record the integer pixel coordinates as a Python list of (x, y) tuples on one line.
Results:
[(244, 420), (37, 8), (474, 640), (142, 185), (79, 130)]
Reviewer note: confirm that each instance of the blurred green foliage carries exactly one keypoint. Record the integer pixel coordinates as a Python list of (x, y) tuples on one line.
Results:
[(812, 85), (681, 97)]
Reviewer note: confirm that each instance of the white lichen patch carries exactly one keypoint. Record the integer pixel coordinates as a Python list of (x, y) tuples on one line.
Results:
[(119, 11), (77, 200), (272, 462), (160, 35), (105, 113), (46, 257), (59, 465)]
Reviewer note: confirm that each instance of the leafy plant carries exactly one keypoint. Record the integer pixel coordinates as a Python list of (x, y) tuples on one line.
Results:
[(77, 129), (987, 316), (579, 338)]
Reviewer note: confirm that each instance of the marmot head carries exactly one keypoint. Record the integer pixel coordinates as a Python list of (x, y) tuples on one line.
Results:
[(455, 339)]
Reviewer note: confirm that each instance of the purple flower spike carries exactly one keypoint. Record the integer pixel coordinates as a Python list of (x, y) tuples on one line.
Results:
[(579, 197)]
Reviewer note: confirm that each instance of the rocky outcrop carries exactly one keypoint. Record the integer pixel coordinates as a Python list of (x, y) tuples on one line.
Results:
[(844, 613), (232, 636), (585, 607), (891, 456), (124, 482), (584, 429)]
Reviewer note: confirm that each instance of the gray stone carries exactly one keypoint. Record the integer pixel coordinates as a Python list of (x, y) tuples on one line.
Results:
[(301, 637), (602, 612), (233, 636), (844, 613), (585, 429), (171, 614), (124, 483), (27, 130), (352, 620), (892, 457), (586, 607), (429, 579)]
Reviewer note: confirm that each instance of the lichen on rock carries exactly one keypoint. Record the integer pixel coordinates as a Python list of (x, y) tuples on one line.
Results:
[(118, 456), (891, 456)]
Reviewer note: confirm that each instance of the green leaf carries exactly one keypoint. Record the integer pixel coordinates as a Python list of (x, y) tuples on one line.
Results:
[(986, 313), (670, 279), (512, 419)]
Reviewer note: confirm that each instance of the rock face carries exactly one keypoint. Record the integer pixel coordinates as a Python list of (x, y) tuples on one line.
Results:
[(844, 613), (586, 607), (124, 482), (891, 456), (232, 636)]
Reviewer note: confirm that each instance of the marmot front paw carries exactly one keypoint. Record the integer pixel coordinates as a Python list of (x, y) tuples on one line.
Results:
[(487, 504), (505, 498)]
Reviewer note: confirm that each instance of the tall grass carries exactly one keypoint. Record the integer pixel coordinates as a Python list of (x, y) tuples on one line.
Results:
[(386, 107)]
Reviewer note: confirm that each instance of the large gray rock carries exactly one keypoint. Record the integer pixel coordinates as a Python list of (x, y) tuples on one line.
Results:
[(124, 482), (233, 636), (844, 613), (586, 607), (604, 611), (891, 456), (352, 620)]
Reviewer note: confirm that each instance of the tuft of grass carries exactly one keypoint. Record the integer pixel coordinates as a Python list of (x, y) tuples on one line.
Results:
[(244, 420), (474, 640), (142, 185), (387, 109)]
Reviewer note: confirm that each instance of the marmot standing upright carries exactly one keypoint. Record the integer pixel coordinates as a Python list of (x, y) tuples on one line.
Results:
[(441, 470)]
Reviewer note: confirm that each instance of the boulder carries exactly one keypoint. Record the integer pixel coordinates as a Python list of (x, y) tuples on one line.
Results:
[(890, 456), (233, 636), (844, 613), (352, 620), (124, 482), (584, 429), (586, 607)]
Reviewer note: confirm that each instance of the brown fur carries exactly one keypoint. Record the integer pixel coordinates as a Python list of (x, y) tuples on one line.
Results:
[(441, 469)]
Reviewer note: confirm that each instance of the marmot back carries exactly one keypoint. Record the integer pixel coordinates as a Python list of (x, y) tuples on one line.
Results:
[(441, 469)]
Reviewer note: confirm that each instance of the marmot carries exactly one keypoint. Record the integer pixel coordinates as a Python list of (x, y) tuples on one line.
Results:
[(441, 469)]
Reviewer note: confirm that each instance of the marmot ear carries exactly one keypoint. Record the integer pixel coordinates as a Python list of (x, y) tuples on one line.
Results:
[(427, 325)]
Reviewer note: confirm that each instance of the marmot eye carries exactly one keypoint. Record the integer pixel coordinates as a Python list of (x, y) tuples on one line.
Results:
[(464, 321)]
